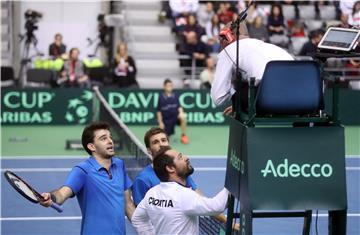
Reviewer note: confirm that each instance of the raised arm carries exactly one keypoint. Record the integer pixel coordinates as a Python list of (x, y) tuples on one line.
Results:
[(221, 88), (194, 204)]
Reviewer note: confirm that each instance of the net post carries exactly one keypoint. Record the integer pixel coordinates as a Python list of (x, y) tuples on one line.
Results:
[(95, 105), (230, 216)]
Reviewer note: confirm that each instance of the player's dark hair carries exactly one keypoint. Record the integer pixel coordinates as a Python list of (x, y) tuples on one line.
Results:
[(150, 133), (161, 160), (89, 134), (167, 80)]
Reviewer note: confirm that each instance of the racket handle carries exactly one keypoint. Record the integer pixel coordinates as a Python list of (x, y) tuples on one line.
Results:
[(57, 207)]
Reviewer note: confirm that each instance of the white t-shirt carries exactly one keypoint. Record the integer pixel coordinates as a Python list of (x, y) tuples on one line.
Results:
[(354, 20), (178, 6), (170, 208), (254, 54)]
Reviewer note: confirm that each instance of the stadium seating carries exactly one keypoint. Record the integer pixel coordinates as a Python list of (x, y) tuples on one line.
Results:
[(7, 76)]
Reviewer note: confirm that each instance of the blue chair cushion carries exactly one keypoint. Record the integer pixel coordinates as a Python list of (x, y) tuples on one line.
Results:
[(290, 88)]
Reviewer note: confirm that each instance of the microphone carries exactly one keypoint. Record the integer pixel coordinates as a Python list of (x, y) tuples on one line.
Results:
[(242, 16)]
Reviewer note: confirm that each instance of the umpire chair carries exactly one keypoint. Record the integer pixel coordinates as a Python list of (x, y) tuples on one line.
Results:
[(286, 157)]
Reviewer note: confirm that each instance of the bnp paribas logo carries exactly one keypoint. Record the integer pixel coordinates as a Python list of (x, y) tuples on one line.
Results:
[(236, 162), (294, 170), (77, 111)]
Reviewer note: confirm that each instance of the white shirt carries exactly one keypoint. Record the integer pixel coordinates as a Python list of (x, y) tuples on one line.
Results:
[(354, 20), (207, 76), (346, 6), (174, 209), (179, 6), (254, 54)]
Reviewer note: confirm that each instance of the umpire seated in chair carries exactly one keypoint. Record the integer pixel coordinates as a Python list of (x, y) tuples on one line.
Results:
[(276, 89)]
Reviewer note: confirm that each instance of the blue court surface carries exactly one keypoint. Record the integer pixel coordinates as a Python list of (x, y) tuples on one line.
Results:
[(18, 216)]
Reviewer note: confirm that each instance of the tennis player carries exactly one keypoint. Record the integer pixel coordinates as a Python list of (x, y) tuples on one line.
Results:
[(171, 207), (100, 184), (146, 179), (154, 139)]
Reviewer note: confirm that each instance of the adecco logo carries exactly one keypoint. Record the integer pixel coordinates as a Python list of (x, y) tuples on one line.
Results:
[(236, 162), (306, 170)]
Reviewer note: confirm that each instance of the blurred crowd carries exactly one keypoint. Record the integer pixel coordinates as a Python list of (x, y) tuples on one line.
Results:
[(297, 26), (71, 71)]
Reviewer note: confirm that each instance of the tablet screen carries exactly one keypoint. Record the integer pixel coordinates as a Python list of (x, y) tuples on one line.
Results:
[(339, 39)]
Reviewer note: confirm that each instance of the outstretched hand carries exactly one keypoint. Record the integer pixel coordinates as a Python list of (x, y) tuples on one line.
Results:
[(228, 111), (46, 201)]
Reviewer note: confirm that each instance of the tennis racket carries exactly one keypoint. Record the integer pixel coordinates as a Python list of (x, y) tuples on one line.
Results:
[(26, 190)]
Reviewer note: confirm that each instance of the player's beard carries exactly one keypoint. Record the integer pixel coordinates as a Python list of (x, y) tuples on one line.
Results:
[(190, 170), (186, 172)]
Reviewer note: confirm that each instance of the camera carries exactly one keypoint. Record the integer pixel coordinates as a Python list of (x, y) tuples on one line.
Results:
[(102, 28), (31, 14), (31, 17)]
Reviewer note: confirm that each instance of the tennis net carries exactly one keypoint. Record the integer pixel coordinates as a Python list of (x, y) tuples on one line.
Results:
[(135, 155), (127, 146)]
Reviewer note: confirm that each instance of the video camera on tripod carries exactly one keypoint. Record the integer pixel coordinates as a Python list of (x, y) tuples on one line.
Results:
[(32, 17), (103, 35)]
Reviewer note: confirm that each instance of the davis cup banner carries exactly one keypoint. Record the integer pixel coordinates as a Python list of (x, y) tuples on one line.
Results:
[(139, 107), (75, 106), (46, 106)]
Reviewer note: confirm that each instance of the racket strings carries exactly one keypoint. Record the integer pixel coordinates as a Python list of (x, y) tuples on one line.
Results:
[(24, 187)]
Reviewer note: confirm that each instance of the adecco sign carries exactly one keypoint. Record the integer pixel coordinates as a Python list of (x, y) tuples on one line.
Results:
[(284, 170)]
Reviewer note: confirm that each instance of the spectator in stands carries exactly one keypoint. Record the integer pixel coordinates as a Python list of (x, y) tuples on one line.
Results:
[(258, 30), (276, 26), (224, 13), (192, 25), (195, 49), (207, 75), (169, 112), (57, 48), (344, 21), (212, 30), (72, 74), (310, 47), (298, 29), (183, 8), (124, 69), (346, 6), (205, 13), (276, 23), (354, 17)]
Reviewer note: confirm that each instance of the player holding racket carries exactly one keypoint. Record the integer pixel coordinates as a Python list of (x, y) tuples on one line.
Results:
[(100, 184)]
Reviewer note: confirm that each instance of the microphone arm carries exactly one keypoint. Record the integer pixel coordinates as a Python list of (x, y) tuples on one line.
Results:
[(236, 25)]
